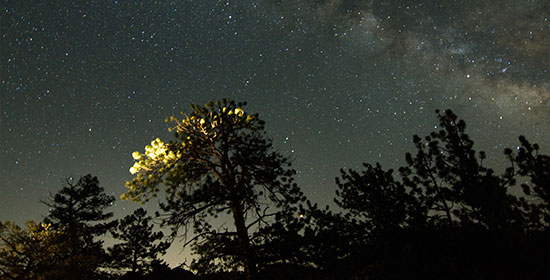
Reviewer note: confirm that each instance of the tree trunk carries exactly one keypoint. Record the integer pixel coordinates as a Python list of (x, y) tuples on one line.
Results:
[(134, 262), (247, 256)]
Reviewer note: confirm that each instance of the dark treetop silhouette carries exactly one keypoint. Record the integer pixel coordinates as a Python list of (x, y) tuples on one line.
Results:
[(444, 215), (79, 211), (139, 248)]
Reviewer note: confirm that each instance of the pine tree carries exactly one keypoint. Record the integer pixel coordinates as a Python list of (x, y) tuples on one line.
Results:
[(220, 163), (79, 211), (138, 250), (530, 163), (448, 214)]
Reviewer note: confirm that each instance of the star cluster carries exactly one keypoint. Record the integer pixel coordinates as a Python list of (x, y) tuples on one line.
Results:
[(339, 82)]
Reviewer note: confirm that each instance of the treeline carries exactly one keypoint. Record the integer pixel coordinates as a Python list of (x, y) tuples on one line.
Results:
[(444, 215), (68, 243)]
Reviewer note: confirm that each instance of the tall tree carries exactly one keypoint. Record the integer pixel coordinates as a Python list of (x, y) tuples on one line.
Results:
[(139, 249), (449, 178), (221, 162), (79, 210), (448, 213)]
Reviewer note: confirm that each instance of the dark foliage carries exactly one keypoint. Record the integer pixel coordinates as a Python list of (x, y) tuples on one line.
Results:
[(447, 216), (221, 164), (139, 248), (444, 215), (78, 211)]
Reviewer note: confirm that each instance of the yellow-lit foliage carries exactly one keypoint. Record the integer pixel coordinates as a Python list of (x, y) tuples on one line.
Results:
[(221, 162), (155, 154), (31, 252), (199, 134)]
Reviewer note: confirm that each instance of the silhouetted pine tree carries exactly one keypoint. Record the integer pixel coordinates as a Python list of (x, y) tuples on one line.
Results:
[(449, 216), (139, 248), (79, 211)]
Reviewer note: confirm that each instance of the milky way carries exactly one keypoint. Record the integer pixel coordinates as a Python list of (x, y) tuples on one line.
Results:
[(339, 82)]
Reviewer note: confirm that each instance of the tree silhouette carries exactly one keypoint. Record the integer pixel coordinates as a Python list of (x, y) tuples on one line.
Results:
[(138, 250), (528, 163), (220, 163), (448, 215), (449, 179), (369, 203), (78, 210)]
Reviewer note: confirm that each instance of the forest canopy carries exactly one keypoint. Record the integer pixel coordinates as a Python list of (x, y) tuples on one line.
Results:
[(442, 215)]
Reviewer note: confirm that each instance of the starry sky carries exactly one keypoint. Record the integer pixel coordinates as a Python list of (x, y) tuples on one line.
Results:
[(338, 82)]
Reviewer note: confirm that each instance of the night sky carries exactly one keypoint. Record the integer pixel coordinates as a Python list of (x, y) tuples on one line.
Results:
[(338, 82)]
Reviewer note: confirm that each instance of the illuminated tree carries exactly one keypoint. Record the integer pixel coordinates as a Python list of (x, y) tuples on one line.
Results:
[(138, 250), (31, 252), (221, 163), (79, 210)]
